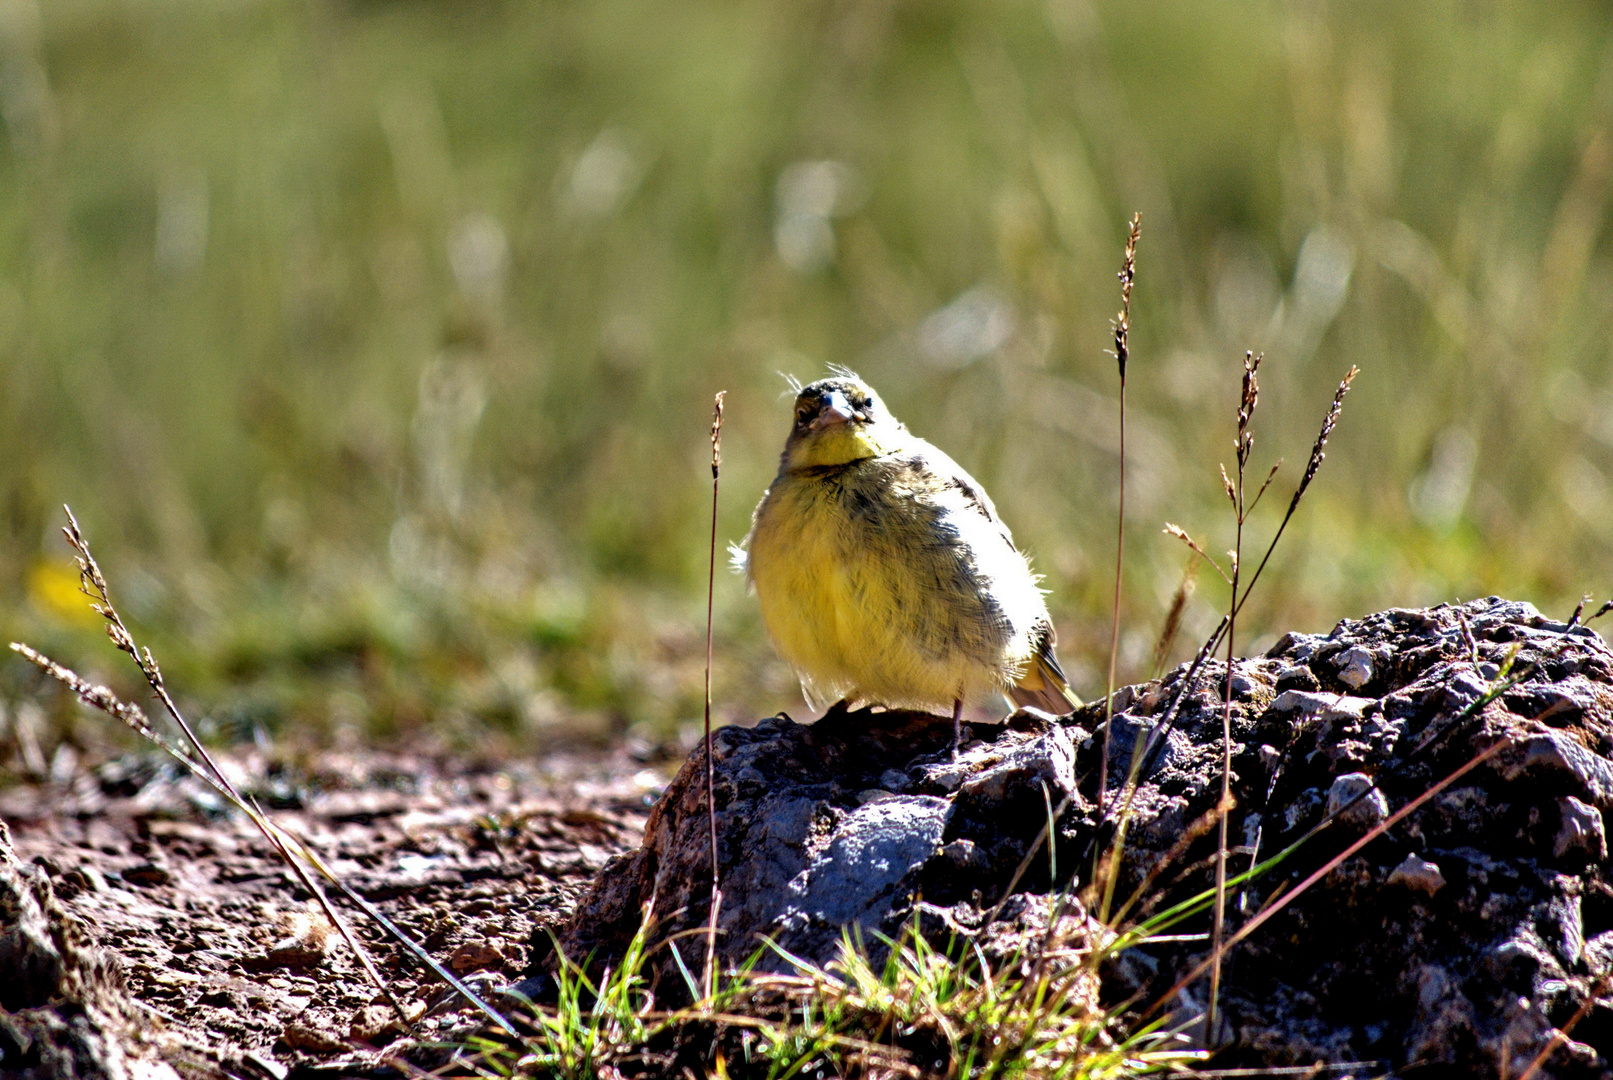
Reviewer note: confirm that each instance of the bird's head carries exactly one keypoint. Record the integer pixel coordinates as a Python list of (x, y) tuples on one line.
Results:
[(838, 421)]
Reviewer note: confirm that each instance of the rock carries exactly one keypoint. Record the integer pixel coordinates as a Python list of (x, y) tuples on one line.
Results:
[(1355, 799), (1355, 667), (300, 1036), (1324, 707), (1296, 677), (1554, 752), (1415, 872), (474, 956), (1581, 830), (1479, 921), (304, 946), (376, 1024)]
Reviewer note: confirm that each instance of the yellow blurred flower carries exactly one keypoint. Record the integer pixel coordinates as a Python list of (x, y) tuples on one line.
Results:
[(53, 590)]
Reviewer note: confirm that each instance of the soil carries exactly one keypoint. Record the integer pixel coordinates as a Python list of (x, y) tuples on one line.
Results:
[(221, 962)]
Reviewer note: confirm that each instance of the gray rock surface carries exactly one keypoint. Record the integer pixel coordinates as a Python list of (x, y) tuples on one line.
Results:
[(1462, 940), (820, 831)]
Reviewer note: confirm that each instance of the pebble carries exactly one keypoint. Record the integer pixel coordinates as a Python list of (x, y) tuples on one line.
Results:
[(1345, 798), (1355, 667), (1415, 872), (1582, 830)]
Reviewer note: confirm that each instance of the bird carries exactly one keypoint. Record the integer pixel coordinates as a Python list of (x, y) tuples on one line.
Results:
[(884, 574)]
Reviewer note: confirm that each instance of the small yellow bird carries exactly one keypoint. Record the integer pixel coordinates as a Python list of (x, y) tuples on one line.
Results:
[(884, 573)]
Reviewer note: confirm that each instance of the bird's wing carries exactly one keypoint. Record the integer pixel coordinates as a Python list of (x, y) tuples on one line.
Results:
[(949, 475)]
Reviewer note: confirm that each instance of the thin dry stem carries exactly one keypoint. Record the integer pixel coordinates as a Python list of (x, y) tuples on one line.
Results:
[(1181, 534), (1270, 476), (1467, 637), (1249, 399), (711, 766), (1122, 326), (1579, 609)]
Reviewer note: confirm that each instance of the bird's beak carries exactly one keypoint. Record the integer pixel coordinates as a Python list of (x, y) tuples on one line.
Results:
[(836, 410)]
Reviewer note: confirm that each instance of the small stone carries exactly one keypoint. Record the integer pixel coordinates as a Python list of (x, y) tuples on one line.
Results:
[(147, 873), (1030, 718), (1354, 798), (1415, 872), (1301, 807), (305, 945), (375, 1023), (1243, 686), (1355, 667), (1552, 753), (893, 780), (944, 778), (1325, 706), (301, 1036), (1582, 830), (475, 956), (85, 878), (1465, 689), (1300, 647), (1297, 677)]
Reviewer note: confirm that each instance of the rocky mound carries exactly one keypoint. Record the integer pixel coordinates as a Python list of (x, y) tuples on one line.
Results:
[(1466, 937)]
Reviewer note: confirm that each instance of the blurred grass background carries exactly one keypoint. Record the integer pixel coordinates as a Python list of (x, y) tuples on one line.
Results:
[(373, 341)]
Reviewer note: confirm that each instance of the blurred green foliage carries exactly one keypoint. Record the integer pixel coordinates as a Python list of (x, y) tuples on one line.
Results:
[(374, 340)]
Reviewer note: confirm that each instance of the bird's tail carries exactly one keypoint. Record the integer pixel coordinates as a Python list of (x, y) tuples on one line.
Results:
[(1043, 686)]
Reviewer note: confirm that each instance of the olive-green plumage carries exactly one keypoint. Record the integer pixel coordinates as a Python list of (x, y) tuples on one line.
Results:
[(884, 573)]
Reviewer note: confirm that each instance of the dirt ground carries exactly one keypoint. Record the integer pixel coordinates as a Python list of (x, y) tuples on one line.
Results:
[(228, 956)]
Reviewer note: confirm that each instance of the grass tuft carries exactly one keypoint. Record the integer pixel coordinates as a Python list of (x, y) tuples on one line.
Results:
[(901, 1008)]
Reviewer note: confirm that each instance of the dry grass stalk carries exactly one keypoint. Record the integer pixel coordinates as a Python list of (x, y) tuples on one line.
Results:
[(711, 766), (1173, 616), (1198, 549), (194, 756), (1579, 609), (1122, 327), (1244, 445)]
